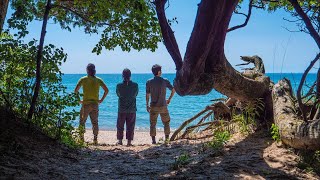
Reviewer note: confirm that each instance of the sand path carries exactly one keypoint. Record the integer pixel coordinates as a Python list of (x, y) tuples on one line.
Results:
[(253, 157)]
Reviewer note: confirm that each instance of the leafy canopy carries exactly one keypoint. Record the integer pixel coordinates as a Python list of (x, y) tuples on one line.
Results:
[(310, 7), (127, 24)]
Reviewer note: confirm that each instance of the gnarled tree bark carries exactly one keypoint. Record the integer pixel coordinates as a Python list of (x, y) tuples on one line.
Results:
[(293, 130), (205, 66)]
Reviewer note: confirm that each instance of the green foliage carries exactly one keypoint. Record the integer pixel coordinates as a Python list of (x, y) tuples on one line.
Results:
[(127, 24), (250, 113), (219, 140), (181, 161), (275, 132), (5, 35), (310, 7), (17, 72)]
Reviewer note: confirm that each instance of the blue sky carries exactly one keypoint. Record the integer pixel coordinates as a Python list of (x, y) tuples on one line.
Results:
[(265, 35)]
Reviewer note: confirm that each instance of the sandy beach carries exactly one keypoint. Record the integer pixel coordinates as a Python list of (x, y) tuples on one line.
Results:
[(109, 137)]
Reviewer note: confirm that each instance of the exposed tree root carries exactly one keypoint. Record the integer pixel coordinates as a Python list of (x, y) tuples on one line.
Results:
[(206, 120)]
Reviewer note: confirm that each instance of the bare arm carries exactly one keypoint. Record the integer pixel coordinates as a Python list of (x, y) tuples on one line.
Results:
[(147, 101), (76, 90), (106, 91), (171, 95)]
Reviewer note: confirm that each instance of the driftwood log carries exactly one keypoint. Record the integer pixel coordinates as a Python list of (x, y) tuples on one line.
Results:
[(257, 70), (293, 130)]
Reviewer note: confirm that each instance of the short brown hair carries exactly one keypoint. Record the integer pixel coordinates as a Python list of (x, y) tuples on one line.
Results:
[(155, 69)]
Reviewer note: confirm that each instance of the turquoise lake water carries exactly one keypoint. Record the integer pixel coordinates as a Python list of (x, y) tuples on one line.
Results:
[(180, 108)]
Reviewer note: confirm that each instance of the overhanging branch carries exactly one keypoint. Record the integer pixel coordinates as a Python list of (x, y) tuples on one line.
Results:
[(247, 18), (167, 34), (314, 34), (304, 76)]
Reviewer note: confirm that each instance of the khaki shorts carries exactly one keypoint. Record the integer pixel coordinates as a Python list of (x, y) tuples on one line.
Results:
[(91, 110), (165, 118)]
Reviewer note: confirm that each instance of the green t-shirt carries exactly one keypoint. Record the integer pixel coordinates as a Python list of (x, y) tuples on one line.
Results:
[(91, 87)]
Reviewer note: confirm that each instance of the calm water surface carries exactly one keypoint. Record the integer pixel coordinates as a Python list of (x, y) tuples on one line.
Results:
[(180, 108)]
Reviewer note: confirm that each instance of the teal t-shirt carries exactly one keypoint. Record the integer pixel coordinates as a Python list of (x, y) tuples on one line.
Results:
[(127, 93)]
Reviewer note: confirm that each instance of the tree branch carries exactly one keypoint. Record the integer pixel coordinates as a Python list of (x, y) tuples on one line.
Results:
[(39, 59), (247, 18), (310, 92), (304, 76), (292, 21), (314, 34), (167, 34), (3, 7), (241, 14), (293, 31), (79, 14)]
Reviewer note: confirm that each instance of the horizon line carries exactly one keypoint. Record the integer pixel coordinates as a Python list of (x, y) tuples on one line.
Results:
[(175, 73)]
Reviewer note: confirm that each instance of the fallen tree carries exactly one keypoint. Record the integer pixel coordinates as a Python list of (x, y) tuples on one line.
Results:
[(293, 130)]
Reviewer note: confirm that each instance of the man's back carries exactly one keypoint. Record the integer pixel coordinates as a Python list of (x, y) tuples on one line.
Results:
[(91, 85), (127, 93), (157, 88)]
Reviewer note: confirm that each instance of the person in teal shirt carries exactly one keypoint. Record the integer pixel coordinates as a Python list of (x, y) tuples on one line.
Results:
[(127, 92), (90, 103)]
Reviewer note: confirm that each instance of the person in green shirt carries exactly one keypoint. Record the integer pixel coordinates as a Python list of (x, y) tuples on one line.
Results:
[(90, 103)]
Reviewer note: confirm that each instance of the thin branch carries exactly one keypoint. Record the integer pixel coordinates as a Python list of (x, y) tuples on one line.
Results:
[(293, 31), (39, 59), (307, 21), (241, 14), (168, 5), (247, 18), (79, 14), (258, 7), (304, 76), (292, 21), (167, 34), (310, 92)]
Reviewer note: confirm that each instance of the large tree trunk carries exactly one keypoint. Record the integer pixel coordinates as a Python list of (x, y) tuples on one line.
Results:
[(293, 130), (3, 12), (205, 66)]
